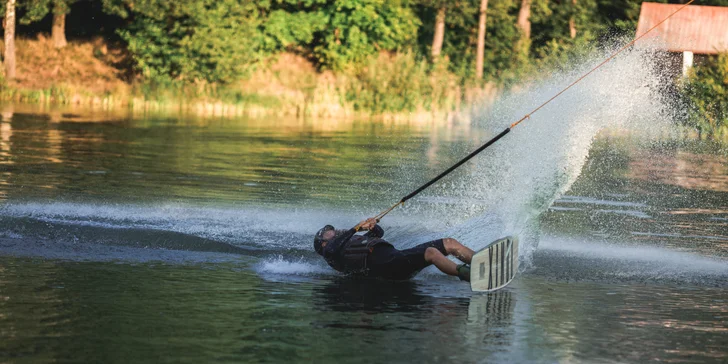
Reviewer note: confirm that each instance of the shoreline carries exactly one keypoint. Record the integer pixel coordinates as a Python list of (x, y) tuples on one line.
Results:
[(82, 113), (284, 85), (217, 108)]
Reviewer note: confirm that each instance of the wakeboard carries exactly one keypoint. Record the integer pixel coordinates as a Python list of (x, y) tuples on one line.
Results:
[(494, 266)]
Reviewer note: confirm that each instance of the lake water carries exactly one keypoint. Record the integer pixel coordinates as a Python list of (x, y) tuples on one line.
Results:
[(182, 239)]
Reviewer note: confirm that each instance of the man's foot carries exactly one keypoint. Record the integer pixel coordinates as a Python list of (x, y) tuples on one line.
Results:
[(464, 272)]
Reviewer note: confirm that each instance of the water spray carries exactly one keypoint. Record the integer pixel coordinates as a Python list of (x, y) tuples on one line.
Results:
[(527, 116)]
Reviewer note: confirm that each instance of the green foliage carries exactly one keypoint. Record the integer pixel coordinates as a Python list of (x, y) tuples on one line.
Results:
[(461, 31), (562, 55), (193, 41), (35, 10), (117, 7), (379, 47), (707, 92), (219, 41), (619, 16), (551, 24), (357, 29), (403, 82), (283, 29), (500, 40)]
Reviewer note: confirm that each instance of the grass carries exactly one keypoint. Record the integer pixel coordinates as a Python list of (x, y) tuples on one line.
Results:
[(93, 74)]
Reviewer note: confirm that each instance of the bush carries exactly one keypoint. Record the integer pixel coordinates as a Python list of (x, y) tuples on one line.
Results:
[(194, 41), (401, 82), (706, 91)]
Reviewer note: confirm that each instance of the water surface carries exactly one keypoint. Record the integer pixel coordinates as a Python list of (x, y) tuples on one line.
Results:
[(176, 239)]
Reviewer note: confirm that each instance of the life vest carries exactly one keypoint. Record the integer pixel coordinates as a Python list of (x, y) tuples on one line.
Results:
[(353, 259)]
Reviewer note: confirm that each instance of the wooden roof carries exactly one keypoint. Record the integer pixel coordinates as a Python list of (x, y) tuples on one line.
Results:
[(699, 29)]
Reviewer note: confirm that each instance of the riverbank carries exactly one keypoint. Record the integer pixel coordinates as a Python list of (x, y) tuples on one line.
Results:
[(400, 87), (94, 74)]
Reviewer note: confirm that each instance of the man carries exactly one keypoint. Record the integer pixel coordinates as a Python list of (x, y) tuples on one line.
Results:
[(370, 255)]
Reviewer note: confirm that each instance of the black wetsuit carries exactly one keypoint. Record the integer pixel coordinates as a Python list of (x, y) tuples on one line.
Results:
[(370, 255)]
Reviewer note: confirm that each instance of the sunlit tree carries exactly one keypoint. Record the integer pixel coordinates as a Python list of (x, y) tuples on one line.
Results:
[(481, 39), (9, 25), (36, 10)]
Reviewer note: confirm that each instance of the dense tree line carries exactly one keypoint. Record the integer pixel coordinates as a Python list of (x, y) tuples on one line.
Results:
[(216, 42), (219, 41)]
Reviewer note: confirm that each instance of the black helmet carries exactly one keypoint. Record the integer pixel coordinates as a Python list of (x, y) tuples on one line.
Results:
[(318, 240)]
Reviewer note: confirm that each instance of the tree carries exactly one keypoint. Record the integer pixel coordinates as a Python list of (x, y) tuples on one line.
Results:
[(9, 24), (523, 45), (524, 22), (220, 41), (524, 15), (287, 25), (439, 32), (440, 9), (460, 44), (481, 40), (196, 41), (58, 32), (572, 22), (36, 10), (357, 29)]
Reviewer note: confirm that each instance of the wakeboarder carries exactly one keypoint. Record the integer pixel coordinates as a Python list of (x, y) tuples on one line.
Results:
[(371, 256)]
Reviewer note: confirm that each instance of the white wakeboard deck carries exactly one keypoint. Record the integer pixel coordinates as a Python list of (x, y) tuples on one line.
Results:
[(494, 266)]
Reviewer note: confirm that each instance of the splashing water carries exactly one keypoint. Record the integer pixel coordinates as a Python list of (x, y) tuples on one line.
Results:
[(514, 181), (282, 265)]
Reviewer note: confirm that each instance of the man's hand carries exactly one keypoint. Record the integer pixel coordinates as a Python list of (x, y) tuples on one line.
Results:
[(368, 224)]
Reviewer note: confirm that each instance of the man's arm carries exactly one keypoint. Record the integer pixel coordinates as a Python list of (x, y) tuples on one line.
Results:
[(375, 232), (335, 247)]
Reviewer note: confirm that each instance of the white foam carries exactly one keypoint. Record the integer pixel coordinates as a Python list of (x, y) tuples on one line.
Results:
[(281, 265), (675, 261), (595, 201), (269, 228), (10, 235)]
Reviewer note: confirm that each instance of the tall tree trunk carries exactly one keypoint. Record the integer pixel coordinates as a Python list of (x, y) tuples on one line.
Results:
[(59, 30), (523, 45), (572, 22), (481, 40), (439, 33), (10, 40), (523, 18)]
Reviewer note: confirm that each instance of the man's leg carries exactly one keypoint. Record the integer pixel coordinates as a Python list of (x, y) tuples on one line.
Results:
[(447, 266), (410, 261), (460, 251)]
